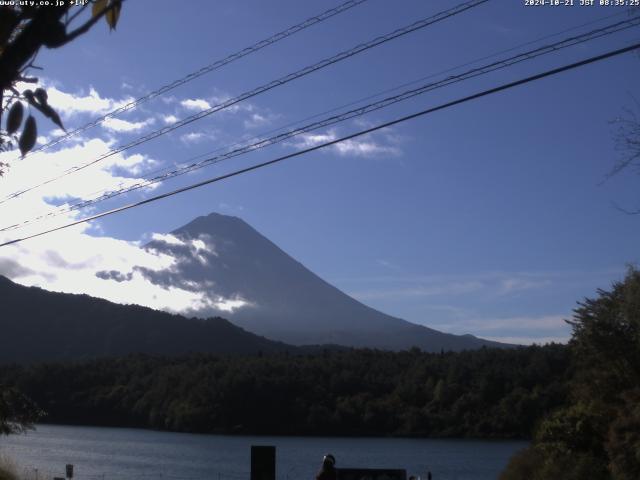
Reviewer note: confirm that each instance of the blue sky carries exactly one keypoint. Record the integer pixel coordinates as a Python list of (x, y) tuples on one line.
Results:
[(489, 218)]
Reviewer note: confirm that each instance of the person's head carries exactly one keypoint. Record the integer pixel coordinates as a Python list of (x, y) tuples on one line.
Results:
[(329, 461)]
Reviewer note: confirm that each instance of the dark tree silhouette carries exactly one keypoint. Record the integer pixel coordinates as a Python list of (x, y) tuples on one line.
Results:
[(18, 413), (24, 30), (597, 434)]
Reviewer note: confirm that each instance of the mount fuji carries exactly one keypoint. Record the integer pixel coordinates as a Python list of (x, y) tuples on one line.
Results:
[(257, 286)]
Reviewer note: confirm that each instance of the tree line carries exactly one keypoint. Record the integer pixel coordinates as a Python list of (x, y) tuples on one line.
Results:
[(488, 393), (579, 403)]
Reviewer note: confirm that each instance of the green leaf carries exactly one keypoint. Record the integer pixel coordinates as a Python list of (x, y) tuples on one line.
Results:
[(29, 135), (98, 7), (113, 14), (15, 118)]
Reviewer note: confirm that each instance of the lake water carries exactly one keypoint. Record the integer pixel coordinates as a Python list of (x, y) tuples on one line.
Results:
[(119, 454)]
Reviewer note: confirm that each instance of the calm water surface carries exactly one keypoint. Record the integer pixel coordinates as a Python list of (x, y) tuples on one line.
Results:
[(116, 453)]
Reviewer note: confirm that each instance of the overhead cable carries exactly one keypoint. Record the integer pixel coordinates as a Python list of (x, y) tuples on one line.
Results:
[(360, 133), (335, 119), (264, 88), (206, 69)]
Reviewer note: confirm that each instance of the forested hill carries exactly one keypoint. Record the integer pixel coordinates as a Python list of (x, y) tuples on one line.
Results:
[(37, 325), (483, 393)]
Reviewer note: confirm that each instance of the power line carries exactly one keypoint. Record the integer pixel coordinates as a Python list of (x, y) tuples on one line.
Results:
[(379, 94), (264, 88), (360, 133), (374, 106), (393, 89), (207, 69)]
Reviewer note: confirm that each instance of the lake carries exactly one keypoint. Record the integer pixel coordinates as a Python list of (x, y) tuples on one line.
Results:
[(131, 454)]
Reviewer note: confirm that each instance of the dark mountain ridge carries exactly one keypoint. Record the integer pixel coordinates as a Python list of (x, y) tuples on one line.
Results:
[(38, 325), (223, 258)]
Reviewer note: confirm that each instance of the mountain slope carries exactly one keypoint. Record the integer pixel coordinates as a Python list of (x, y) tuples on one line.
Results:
[(37, 325), (228, 258)]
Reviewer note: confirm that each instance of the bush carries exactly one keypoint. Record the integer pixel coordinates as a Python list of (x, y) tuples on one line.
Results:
[(596, 436), (523, 464), (8, 470), (533, 464)]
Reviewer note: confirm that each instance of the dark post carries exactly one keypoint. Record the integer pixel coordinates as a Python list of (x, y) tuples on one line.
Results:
[(69, 470), (263, 462)]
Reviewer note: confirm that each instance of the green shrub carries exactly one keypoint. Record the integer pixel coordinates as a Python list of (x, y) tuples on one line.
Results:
[(8, 470), (523, 465)]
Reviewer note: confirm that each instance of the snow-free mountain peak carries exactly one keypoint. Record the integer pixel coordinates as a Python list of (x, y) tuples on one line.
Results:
[(255, 284)]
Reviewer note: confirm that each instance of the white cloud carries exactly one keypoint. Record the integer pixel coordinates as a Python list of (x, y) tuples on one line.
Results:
[(401, 285), (198, 247), (230, 304), (523, 330), (119, 125), (513, 285), (235, 108), (67, 261), (167, 238), (192, 137), (57, 132), (197, 104), (308, 140), (197, 137), (169, 119), (69, 104), (530, 340), (43, 166), (74, 260), (539, 323), (200, 104), (258, 120), (366, 146)]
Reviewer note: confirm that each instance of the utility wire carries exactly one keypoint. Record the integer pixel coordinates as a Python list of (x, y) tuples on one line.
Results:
[(374, 106), (360, 133), (273, 84), (207, 69), (150, 175)]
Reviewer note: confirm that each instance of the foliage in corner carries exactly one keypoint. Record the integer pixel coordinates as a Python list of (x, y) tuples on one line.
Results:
[(24, 30), (18, 413), (597, 435)]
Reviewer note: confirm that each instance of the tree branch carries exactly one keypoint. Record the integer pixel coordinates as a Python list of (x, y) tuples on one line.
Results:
[(26, 44)]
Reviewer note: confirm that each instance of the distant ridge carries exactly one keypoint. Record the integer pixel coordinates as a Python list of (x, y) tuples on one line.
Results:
[(37, 325), (288, 302), (288, 308)]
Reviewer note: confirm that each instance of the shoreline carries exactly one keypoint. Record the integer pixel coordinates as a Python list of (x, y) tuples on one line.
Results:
[(287, 435)]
